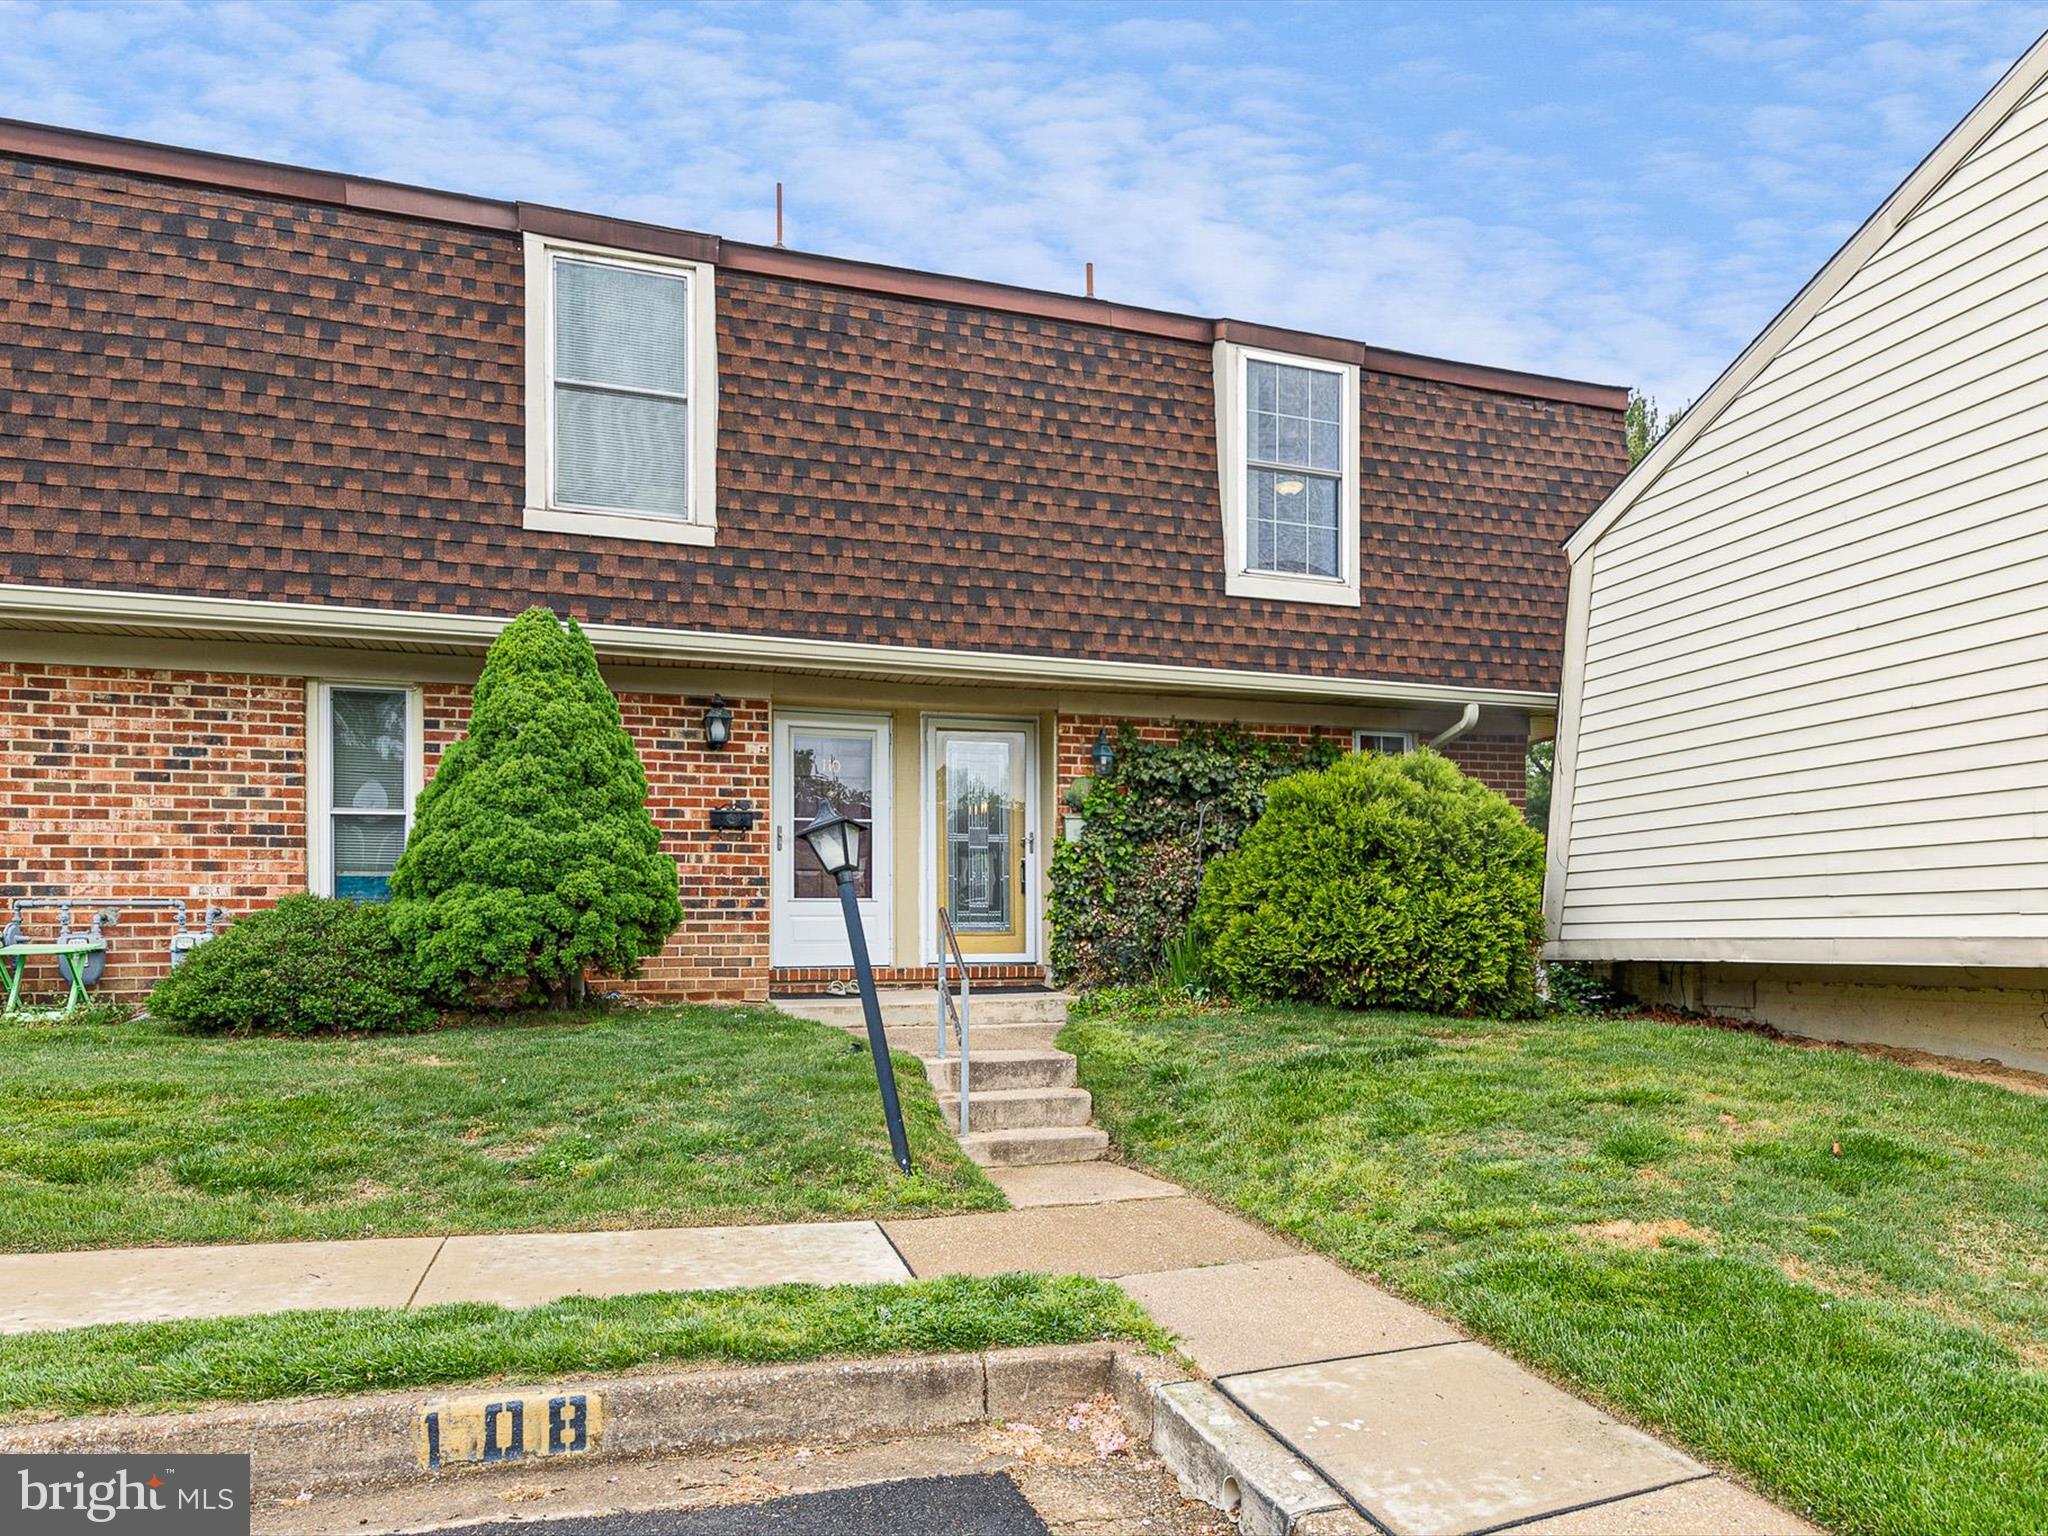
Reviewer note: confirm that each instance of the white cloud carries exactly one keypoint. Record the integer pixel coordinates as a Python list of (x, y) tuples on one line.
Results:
[(1683, 174)]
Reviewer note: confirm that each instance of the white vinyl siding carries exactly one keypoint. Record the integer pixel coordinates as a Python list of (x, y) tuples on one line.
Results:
[(1812, 719)]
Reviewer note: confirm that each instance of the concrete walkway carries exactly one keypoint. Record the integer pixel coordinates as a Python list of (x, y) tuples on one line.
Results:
[(1378, 1408), (1393, 1412), (41, 1291)]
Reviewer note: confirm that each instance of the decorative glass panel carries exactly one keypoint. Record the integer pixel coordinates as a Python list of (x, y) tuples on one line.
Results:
[(621, 388), (982, 807), (839, 767)]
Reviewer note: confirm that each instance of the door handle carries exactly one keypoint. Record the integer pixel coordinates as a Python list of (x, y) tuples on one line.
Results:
[(778, 839)]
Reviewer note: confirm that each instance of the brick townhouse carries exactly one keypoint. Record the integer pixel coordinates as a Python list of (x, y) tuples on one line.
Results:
[(283, 449)]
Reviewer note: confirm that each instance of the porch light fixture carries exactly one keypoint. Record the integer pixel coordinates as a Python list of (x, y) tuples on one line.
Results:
[(835, 841), (1104, 755), (717, 723)]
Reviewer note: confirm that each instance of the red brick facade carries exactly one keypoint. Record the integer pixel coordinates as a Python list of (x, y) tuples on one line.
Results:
[(126, 783), (131, 783), (1501, 762), (159, 784)]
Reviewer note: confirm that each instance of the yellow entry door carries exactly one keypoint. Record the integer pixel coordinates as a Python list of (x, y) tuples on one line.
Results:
[(983, 843)]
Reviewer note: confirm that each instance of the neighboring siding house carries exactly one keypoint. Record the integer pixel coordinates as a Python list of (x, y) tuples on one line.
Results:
[(284, 449), (1802, 771)]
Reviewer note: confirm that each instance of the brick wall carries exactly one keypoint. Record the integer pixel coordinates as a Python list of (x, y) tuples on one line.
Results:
[(128, 783), (721, 950), (122, 783), (1496, 761)]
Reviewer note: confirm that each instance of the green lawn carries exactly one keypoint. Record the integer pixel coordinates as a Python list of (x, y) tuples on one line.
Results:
[(1826, 1271), (158, 1366), (114, 1134)]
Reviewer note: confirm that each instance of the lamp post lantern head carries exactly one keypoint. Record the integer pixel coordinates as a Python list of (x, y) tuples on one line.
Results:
[(834, 840), (1104, 754), (717, 724)]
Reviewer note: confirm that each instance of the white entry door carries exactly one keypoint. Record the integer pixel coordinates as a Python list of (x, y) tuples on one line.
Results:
[(843, 759)]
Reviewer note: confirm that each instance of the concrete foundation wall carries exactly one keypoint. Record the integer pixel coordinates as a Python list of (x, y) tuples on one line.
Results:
[(1976, 1014)]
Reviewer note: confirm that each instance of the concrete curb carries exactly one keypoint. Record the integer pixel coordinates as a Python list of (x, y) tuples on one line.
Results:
[(1222, 1458), (320, 1444)]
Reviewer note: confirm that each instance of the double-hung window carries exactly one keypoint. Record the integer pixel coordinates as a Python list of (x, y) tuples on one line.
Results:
[(366, 769), (621, 386), (1288, 440)]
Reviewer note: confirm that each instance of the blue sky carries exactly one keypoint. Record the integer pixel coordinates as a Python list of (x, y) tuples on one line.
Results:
[(1624, 192)]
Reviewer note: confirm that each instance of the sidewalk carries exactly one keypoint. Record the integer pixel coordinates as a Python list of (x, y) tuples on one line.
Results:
[(1393, 1413)]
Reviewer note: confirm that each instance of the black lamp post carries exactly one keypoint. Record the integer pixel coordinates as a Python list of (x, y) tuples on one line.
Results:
[(835, 840)]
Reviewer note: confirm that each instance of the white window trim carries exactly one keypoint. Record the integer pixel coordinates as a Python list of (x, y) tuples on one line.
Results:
[(700, 527), (320, 769), (1406, 738), (1233, 362)]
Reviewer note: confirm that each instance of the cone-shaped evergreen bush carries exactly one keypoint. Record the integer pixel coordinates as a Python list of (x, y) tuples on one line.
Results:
[(532, 856)]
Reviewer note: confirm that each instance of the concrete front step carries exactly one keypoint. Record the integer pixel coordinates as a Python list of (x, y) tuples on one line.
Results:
[(1051, 1144), (1020, 1109), (995, 1071), (987, 1039), (919, 1009)]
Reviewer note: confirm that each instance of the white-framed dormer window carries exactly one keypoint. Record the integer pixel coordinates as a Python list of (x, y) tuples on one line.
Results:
[(1287, 440), (1386, 743), (365, 766), (621, 394)]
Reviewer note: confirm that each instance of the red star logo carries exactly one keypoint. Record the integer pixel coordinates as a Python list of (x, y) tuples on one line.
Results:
[(155, 1482)]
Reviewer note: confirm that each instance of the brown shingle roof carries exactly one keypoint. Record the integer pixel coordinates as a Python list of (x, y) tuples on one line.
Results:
[(276, 394)]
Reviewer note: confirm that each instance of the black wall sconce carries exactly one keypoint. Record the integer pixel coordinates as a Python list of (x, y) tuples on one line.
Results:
[(717, 724), (1104, 755)]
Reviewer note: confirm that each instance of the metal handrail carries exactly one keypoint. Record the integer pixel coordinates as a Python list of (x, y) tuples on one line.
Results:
[(949, 940)]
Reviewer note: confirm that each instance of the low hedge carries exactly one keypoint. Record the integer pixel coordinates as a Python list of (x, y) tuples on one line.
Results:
[(310, 965)]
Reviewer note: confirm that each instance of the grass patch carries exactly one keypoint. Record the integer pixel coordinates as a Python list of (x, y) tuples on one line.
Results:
[(1824, 1270), (125, 1133), (137, 1367)]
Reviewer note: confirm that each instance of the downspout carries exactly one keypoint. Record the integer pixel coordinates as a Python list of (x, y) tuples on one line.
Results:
[(1465, 723)]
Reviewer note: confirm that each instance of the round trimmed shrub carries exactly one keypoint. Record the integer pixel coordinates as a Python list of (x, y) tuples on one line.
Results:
[(311, 965), (1122, 893), (1380, 882)]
